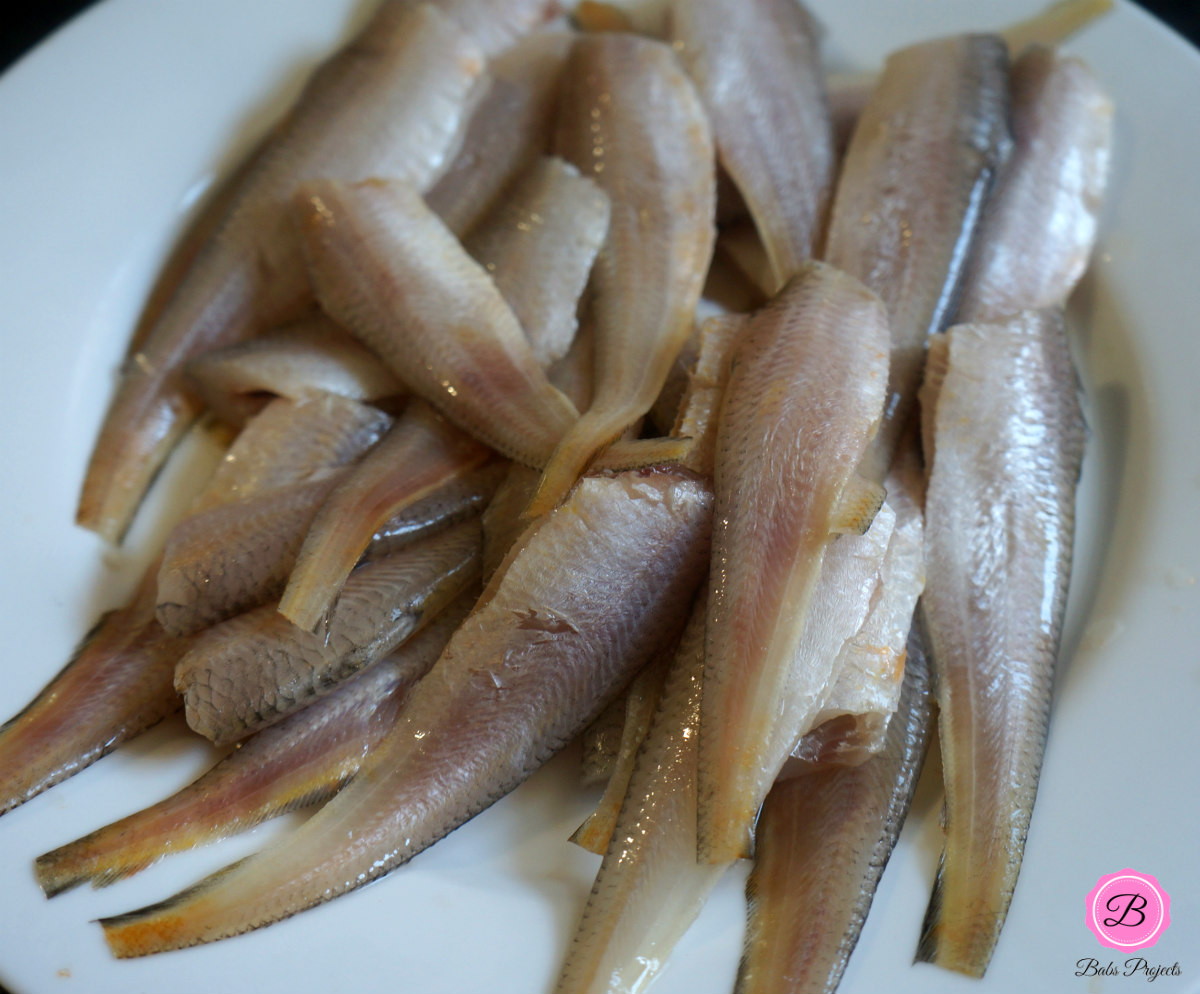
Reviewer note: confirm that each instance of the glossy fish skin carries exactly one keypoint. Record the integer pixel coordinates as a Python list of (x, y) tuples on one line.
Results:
[(420, 454), (1041, 225), (309, 356), (118, 684), (301, 761), (649, 887), (387, 268), (392, 103), (801, 406), (523, 675), (495, 25), (539, 246), (120, 681), (257, 668), (630, 119), (1008, 434), (822, 843), (928, 148), (757, 67), (510, 128)]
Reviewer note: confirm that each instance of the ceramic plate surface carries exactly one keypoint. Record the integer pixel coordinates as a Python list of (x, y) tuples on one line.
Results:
[(113, 131)]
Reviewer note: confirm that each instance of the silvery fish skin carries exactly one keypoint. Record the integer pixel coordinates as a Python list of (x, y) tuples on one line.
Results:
[(257, 668), (120, 681), (1041, 225), (757, 68), (1001, 408), (630, 119), (495, 25), (524, 674), (394, 102), (118, 684), (510, 128), (650, 886), (803, 401), (419, 455), (539, 246), (299, 762), (387, 268), (928, 147), (310, 356), (821, 845)]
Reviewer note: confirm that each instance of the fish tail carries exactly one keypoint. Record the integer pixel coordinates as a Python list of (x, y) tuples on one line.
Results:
[(590, 435)]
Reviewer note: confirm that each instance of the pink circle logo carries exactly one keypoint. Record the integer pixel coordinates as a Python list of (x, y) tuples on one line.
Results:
[(1128, 910)]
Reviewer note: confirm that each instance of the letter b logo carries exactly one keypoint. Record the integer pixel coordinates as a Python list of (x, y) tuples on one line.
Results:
[(1128, 910)]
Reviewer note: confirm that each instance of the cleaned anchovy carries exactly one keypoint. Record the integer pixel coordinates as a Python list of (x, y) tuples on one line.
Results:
[(257, 668), (510, 128), (420, 454), (631, 120), (539, 246), (543, 653), (1007, 434), (392, 103), (758, 71), (301, 761), (821, 844), (454, 341), (310, 356), (1040, 227), (803, 400), (649, 887), (928, 147)]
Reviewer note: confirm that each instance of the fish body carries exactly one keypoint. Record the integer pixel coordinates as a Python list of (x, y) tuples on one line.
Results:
[(543, 653), (392, 103), (803, 400), (1007, 437)]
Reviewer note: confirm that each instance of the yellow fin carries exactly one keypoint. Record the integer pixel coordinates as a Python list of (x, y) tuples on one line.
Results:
[(642, 452), (860, 501)]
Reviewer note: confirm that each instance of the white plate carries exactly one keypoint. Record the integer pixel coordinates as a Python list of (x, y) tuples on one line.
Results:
[(111, 132)]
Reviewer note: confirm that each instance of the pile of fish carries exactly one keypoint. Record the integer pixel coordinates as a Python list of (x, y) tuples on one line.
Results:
[(637, 388)]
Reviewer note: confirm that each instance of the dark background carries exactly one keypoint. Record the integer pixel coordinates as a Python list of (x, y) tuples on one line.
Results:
[(33, 21)]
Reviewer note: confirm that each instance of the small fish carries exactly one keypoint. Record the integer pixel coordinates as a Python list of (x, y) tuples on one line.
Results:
[(257, 668), (299, 762), (821, 845), (549, 645), (454, 342), (804, 398), (394, 103), (1000, 409)]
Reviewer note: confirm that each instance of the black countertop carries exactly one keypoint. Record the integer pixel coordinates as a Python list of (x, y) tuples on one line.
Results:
[(32, 22)]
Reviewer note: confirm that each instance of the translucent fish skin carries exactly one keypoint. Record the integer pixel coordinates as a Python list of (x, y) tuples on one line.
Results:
[(923, 159), (496, 24), (392, 103), (387, 268), (1008, 440), (758, 70), (421, 454), (539, 246), (1041, 225), (510, 128), (822, 843), (257, 668), (803, 400), (310, 356), (303, 760), (523, 675), (650, 887), (630, 119), (118, 684)]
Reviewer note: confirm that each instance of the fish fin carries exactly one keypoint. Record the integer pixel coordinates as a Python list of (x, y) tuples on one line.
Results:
[(1055, 24), (857, 506), (643, 452)]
